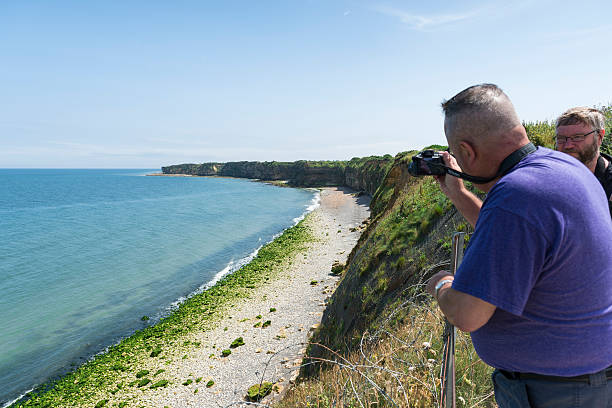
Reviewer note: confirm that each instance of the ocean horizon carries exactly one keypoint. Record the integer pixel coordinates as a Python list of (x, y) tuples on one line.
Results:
[(91, 255)]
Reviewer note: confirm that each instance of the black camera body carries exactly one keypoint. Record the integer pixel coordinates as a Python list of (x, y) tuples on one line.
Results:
[(427, 163)]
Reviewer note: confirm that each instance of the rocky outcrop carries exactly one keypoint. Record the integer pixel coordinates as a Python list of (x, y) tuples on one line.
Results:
[(367, 174), (205, 169), (361, 174)]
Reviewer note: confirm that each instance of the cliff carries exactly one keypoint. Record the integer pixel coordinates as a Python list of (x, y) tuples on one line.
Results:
[(361, 174), (410, 225)]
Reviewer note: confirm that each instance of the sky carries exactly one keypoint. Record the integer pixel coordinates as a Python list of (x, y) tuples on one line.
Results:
[(150, 83)]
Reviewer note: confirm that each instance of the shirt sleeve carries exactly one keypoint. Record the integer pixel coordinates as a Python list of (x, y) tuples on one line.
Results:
[(503, 261)]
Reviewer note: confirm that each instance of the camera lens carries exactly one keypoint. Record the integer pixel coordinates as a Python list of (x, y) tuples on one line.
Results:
[(424, 168)]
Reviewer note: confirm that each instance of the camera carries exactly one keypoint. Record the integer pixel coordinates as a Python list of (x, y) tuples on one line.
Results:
[(427, 163)]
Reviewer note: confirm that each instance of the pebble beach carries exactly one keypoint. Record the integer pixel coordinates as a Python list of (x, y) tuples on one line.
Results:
[(274, 323)]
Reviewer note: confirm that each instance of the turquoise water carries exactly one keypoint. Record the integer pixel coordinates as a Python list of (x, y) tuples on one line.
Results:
[(85, 254)]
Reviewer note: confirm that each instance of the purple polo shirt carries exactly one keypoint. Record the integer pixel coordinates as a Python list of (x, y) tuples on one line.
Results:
[(541, 253)]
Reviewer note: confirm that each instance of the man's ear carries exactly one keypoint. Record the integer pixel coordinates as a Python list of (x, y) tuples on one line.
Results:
[(601, 133), (468, 153)]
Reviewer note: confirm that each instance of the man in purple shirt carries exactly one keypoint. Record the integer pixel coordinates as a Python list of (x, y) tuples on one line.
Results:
[(535, 285)]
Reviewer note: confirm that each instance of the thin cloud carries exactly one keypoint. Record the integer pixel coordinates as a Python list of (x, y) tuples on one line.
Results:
[(491, 10), (582, 33), (424, 22)]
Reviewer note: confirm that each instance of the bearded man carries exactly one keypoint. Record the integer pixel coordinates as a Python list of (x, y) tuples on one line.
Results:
[(580, 132)]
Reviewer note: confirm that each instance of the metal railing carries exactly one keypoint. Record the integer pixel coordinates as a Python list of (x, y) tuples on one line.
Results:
[(447, 375)]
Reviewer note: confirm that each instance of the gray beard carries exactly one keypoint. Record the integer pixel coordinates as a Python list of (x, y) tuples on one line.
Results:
[(587, 155)]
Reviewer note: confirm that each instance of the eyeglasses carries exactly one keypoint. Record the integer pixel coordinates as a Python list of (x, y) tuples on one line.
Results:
[(575, 138)]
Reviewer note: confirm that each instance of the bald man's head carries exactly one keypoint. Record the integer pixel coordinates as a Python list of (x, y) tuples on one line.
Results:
[(481, 114)]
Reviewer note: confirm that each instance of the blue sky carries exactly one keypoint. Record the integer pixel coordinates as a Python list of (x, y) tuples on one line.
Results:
[(144, 84)]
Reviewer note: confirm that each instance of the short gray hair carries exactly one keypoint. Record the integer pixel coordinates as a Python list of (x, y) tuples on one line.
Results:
[(484, 109), (589, 116)]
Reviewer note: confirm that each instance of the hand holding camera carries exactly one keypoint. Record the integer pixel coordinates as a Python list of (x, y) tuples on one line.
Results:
[(450, 186), (438, 164), (427, 163)]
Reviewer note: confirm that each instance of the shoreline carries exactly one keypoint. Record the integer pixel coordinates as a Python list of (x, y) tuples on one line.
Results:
[(277, 183), (195, 175), (182, 341)]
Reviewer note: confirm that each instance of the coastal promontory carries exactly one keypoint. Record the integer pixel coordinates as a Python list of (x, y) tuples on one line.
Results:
[(361, 174)]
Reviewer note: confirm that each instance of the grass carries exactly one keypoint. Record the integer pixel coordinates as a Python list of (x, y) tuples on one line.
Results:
[(258, 391), (397, 365), (606, 145), (237, 343)]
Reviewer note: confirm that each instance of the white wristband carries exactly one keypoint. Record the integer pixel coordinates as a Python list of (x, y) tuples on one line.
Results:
[(440, 284)]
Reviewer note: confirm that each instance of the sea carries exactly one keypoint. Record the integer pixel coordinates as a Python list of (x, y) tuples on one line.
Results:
[(85, 254)]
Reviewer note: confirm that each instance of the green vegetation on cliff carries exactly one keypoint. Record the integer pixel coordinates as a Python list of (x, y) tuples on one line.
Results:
[(606, 145)]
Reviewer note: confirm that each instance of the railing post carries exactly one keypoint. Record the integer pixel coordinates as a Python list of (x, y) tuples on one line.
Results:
[(448, 367)]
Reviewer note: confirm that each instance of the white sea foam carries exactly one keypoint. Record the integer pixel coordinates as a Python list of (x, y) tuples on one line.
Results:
[(314, 204), (8, 404), (233, 266), (230, 268)]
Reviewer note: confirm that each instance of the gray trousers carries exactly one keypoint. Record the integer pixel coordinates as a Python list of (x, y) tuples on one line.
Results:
[(539, 393)]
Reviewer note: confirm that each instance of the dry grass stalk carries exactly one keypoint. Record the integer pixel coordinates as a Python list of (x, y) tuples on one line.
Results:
[(396, 365)]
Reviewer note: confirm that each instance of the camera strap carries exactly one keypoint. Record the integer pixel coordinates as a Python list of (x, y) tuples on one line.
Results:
[(505, 166)]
